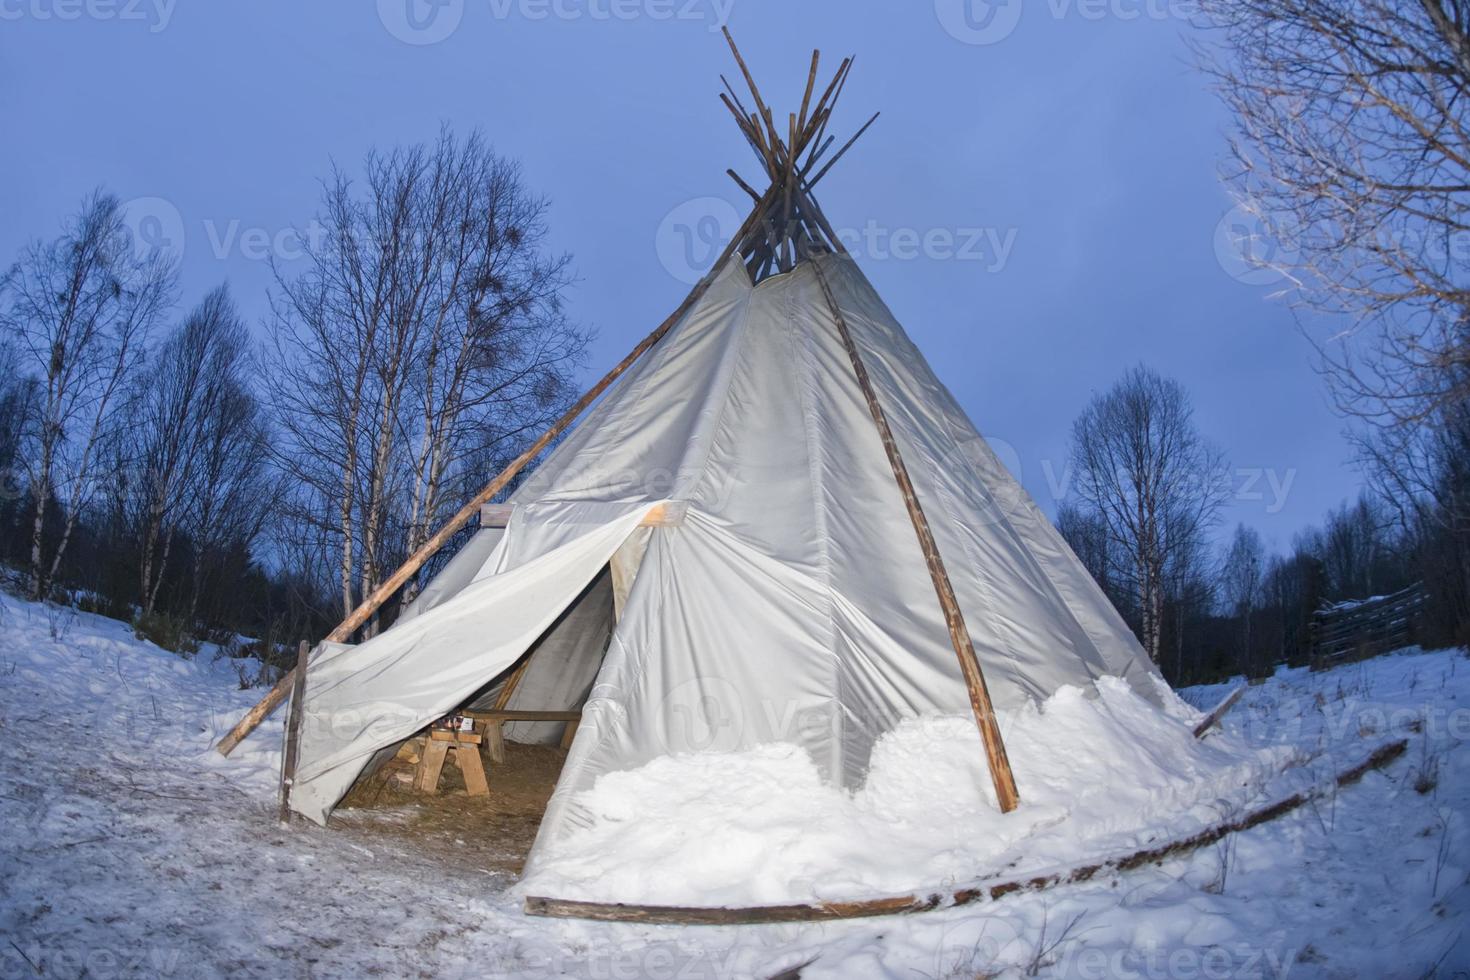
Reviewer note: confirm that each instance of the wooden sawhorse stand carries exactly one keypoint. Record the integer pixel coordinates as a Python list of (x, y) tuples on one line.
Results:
[(466, 746), (495, 741)]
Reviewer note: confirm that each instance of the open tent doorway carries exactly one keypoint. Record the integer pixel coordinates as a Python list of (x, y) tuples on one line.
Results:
[(522, 757)]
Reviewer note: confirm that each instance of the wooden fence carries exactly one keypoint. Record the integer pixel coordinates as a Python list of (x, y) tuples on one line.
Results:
[(1355, 630)]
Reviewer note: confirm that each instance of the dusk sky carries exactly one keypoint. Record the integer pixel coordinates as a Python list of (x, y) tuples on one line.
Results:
[(1060, 159)]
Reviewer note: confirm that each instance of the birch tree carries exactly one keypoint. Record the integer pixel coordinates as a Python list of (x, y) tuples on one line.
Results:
[(193, 439), (1144, 471), (1241, 577), (80, 307), (235, 491), (425, 336)]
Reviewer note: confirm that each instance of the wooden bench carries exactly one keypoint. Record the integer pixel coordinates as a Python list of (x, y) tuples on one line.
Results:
[(495, 741), (466, 746)]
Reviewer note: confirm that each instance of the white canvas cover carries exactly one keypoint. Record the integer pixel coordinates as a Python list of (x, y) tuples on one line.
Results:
[(791, 604)]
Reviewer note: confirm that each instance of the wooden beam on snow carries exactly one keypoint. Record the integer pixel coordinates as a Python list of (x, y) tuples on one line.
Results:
[(1213, 718)]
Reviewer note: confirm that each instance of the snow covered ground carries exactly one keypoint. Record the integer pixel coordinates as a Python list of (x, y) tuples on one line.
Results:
[(129, 848)]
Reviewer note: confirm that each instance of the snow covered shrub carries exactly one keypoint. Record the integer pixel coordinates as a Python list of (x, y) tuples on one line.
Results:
[(168, 632), (101, 605)]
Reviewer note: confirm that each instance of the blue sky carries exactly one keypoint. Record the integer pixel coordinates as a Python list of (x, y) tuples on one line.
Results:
[(1059, 158)]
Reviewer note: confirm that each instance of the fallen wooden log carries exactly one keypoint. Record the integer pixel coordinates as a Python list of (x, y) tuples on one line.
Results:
[(989, 889), (1213, 718)]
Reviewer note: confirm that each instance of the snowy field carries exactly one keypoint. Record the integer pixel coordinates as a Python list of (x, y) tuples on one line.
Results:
[(130, 848)]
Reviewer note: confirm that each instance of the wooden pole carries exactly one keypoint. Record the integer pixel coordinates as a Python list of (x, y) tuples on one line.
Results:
[(845, 147), (811, 83), (394, 582), (503, 698), (959, 635), (1213, 718), (986, 890), (292, 747)]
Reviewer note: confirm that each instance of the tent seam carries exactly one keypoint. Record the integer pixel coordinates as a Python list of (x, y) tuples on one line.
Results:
[(652, 367), (735, 353), (802, 349), (1002, 517)]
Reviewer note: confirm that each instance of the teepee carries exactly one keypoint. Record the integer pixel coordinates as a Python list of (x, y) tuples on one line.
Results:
[(773, 524)]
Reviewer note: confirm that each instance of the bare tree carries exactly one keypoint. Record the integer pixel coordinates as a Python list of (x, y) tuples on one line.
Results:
[(194, 457), (1145, 471), (1292, 589), (81, 307), (1352, 149), (234, 490), (171, 410), (426, 333), (18, 393), (1087, 534), (1189, 592), (1242, 575), (1357, 549)]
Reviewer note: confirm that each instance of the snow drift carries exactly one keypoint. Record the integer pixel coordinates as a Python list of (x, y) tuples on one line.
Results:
[(1097, 774)]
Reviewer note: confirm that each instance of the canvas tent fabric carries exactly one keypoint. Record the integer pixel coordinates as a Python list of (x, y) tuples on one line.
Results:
[(792, 602)]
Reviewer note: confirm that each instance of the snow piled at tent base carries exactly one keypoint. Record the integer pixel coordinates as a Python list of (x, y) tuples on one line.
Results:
[(1098, 775)]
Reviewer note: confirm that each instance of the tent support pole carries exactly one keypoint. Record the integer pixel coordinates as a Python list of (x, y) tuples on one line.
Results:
[(502, 700), (396, 581), (959, 634), (292, 749)]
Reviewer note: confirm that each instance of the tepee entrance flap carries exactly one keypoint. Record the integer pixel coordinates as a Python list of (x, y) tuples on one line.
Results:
[(391, 686)]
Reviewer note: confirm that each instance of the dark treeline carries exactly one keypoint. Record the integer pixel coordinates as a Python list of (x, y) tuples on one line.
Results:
[(168, 463), (1149, 491)]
